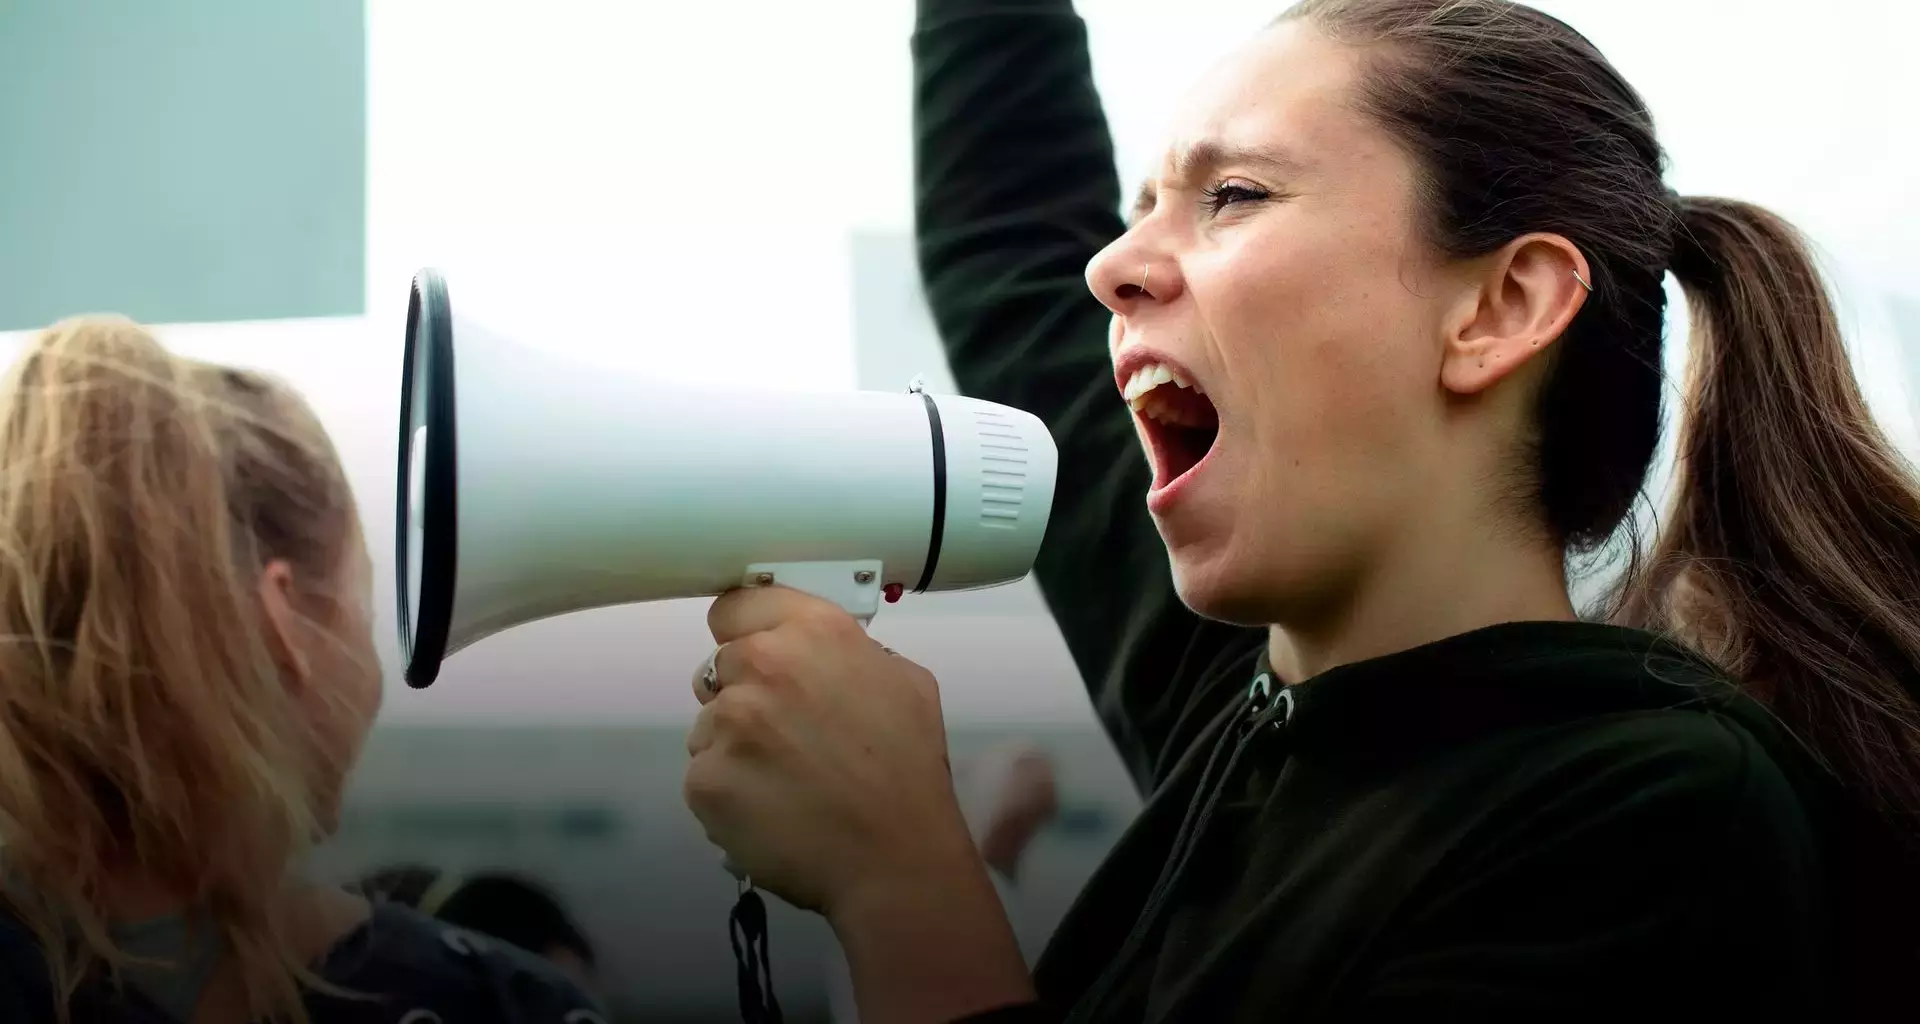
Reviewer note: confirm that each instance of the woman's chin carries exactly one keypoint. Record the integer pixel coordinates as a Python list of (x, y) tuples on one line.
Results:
[(1219, 589)]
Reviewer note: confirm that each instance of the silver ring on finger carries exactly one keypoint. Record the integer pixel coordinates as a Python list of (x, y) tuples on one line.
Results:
[(710, 676)]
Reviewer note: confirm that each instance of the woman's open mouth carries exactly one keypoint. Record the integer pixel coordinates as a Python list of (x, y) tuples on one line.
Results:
[(1177, 418)]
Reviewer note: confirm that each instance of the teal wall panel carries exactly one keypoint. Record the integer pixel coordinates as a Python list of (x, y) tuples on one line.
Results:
[(182, 160)]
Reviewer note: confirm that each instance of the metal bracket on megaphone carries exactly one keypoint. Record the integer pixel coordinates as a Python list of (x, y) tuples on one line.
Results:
[(855, 586)]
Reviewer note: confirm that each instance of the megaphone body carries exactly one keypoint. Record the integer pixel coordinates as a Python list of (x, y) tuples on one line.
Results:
[(533, 486)]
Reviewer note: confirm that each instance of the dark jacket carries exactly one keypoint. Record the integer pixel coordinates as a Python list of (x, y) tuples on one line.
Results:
[(1534, 821), (410, 968)]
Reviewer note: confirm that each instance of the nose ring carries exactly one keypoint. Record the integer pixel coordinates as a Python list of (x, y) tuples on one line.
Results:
[(1146, 269)]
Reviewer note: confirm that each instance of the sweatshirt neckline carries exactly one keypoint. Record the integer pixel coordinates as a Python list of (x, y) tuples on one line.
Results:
[(1472, 684)]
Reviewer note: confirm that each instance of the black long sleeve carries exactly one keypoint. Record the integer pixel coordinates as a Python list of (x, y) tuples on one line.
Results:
[(1016, 190)]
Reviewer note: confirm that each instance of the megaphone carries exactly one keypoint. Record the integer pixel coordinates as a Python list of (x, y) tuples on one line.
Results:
[(533, 486)]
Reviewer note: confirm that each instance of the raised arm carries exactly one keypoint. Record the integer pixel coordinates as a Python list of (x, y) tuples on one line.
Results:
[(1015, 192)]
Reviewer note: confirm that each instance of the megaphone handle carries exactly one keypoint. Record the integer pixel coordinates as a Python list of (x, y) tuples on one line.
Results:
[(745, 880), (856, 587)]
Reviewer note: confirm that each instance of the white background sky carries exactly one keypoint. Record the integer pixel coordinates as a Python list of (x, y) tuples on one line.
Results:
[(670, 188)]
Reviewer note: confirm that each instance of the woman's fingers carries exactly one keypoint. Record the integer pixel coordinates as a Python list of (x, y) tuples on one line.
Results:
[(814, 757), (700, 737), (753, 659), (749, 610), (742, 714)]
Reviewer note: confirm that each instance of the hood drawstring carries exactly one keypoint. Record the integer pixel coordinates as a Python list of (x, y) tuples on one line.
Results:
[(1260, 709)]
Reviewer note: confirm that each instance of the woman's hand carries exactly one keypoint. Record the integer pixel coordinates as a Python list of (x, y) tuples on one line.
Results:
[(820, 764)]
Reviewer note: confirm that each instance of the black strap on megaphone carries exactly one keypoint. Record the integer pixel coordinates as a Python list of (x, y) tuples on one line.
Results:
[(747, 928)]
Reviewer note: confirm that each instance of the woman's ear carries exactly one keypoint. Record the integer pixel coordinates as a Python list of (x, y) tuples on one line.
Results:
[(284, 623), (1520, 302)]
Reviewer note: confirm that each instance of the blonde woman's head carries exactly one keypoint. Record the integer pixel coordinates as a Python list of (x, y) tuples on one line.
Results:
[(188, 670)]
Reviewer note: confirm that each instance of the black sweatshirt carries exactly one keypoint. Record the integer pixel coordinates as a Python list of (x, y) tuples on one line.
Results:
[(1532, 821)]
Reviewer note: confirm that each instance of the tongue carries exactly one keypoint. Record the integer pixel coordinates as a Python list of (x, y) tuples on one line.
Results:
[(1184, 425), (1184, 407)]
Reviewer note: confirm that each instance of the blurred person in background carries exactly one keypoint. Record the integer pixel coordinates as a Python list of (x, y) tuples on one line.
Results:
[(498, 904), (1388, 323), (188, 680), (1020, 791)]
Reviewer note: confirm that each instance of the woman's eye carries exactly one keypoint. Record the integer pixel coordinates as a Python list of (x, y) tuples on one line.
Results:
[(1220, 197)]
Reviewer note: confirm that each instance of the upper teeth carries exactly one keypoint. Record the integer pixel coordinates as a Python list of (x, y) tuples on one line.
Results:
[(1151, 376)]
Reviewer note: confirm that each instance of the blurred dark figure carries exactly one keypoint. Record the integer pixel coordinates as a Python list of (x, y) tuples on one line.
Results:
[(500, 904)]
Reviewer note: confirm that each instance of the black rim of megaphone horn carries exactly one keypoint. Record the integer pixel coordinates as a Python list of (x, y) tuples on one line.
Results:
[(429, 355)]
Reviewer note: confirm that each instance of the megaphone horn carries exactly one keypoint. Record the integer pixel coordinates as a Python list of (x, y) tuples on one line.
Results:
[(532, 486)]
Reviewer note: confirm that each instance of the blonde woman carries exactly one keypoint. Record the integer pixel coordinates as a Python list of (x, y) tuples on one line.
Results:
[(189, 677)]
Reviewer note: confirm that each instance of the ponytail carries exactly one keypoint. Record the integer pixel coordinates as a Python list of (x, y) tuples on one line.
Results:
[(1791, 554)]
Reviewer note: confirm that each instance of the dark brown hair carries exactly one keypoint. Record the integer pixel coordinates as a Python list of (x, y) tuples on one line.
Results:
[(1790, 554)]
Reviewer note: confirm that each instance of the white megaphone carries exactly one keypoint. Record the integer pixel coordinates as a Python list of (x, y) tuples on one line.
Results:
[(532, 487)]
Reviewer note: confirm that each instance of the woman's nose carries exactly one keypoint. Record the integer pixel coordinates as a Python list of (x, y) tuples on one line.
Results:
[(1125, 277)]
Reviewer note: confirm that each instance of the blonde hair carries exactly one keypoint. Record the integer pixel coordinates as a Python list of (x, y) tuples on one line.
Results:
[(143, 719)]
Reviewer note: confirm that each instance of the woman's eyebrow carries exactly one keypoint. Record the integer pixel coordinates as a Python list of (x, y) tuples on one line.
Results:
[(1207, 156)]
